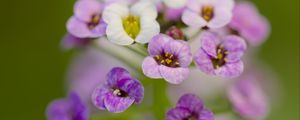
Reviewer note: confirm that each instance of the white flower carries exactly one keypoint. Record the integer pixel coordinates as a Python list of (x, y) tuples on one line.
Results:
[(175, 3), (128, 24)]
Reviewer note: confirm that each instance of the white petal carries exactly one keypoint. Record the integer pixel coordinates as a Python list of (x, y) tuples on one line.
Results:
[(144, 8), (175, 3), (221, 18), (115, 11), (149, 28), (192, 19), (116, 34)]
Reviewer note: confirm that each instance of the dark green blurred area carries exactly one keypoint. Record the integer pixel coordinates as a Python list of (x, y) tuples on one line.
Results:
[(33, 66)]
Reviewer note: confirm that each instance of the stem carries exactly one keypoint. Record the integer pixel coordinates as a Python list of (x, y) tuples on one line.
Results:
[(161, 102)]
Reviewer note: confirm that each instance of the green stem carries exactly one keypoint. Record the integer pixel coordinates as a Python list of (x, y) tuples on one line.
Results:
[(161, 102)]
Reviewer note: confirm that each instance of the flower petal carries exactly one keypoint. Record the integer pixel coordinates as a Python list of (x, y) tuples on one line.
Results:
[(190, 102), (77, 28), (144, 9), (175, 3), (206, 114), (151, 68), (209, 43), (230, 70), (98, 96), (235, 47), (157, 43), (222, 17), (116, 34), (193, 19), (149, 28), (178, 114), (117, 104), (115, 11), (185, 56), (59, 110), (204, 63), (133, 88), (80, 110), (117, 74), (174, 75), (85, 9)]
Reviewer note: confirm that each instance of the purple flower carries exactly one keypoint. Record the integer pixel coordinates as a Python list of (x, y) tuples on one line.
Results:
[(189, 107), (70, 108), (208, 13), (175, 33), (169, 59), (220, 56), (254, 30), (248, 98), (173, 14), (119, 92), (70, 41), (87, 20)]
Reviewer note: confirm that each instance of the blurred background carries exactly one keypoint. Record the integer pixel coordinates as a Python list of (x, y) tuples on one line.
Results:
[(33, 67)]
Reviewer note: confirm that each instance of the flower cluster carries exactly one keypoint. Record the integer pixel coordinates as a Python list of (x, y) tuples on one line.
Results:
[(162, 39)]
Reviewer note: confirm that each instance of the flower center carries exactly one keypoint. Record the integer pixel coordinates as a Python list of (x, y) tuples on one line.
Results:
[(192, 117), (207, 12), (175, 33), (95, 20), (119, 92), (167, 59), (131, 25), (221, 57)]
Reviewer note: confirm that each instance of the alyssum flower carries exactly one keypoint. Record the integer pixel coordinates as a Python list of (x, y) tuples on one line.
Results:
[(71, 108), (169, 59), (189, 107), (119, 92), (128, 25), (87, 20), (220, 56), (254, 30), (208, 13)]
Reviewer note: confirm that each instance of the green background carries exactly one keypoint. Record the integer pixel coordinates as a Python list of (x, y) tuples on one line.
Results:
[(32, 65)]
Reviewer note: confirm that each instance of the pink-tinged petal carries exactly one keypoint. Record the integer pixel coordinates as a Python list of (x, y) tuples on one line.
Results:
[(173, 14), (174, 47), (99, 30), (204, 63), (185, 56), (58, 110), (85, 9), (209, 43), (206, 114), (231, 70), (235, 46), (157, 43), (117, 104), (78, 28), (80, 110), (193, 5), (190, 102), (178, 114), (151, 68), (174, 75), (133, 88), (229, 4), (98, 96), (222, 16), (117, 74), (193, 19)]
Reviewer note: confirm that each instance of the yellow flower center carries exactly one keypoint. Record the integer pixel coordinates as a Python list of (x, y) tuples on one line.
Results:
[(119, 93), (207, 12), (167, 59), (131, 25), (94, 21), (221, 57)]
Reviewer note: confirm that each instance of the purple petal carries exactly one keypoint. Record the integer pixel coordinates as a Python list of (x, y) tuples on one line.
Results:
[(174, 75), (59, 110), (99, 30), (178, 114), (206, 114), (235, 47), (157, 44), (222, 16), (230, 70), (185, 56), (70, 41), (209, 43), (174, 47), (204, 63), (98, 96), (133, 88), (190, 102), (80, 111), (117, 74), (117, 104), (85, 9), (77, 28), (173, 14), (151, 68)]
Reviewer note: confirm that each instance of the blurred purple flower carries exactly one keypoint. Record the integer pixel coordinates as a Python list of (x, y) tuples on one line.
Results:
[(70, 108), (173, 14), (254, 30), (189, 107), (169, 59), (220, 56), (119, 92), (208, 13), (175, 33), (87, 20), (248, 98), (70, 41)]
